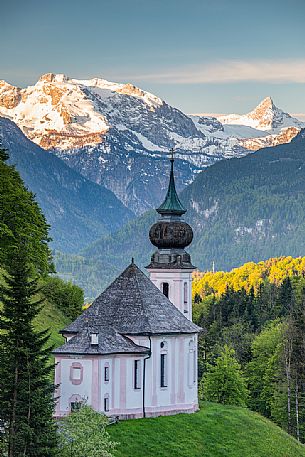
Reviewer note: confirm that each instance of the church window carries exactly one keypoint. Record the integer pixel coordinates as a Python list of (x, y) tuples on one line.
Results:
[(185, 297), (75, 406), (137, 374), (192, 363), (106, 403), (76, 373), (165, 289), (106, 372), (163, 370)]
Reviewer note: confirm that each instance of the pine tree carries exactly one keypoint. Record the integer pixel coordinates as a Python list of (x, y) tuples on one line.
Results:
[(26, 401), (224, 382)]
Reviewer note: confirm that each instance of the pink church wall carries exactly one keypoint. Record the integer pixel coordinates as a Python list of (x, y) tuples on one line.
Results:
[(124, 400)]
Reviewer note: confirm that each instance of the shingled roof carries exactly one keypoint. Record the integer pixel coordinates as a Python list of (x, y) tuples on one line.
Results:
[(131, 305), (109, 342)]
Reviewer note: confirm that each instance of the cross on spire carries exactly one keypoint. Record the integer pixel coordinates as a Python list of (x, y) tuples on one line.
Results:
[(172, 152)]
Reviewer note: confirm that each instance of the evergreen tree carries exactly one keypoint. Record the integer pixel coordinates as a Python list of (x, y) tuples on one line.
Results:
[(21, 221), (26, 401), (224, 382)]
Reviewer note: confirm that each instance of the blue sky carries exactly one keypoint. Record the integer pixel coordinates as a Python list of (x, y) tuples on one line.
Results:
[(202, 56)]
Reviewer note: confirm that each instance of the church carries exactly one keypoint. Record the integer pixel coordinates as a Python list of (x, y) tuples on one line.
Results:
[(133, 352)]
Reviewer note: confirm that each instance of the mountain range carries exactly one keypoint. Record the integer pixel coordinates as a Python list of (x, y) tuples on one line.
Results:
[(95, 154), (246, 209), (77, 209), (118, 135)]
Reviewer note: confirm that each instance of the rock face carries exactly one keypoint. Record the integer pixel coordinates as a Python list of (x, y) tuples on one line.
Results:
[(284, 136), (78, 210), (266, 116), (118, 135)]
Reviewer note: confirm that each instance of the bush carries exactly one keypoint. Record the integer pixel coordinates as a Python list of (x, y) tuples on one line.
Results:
[(83, 434)]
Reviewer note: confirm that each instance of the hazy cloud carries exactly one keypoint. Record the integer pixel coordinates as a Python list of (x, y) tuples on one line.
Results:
[(231, 71)]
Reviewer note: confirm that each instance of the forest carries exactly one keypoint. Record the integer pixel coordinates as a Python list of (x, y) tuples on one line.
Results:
[(251, 349)]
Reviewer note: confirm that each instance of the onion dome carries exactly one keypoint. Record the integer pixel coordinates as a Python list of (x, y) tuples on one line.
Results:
[(170, 234)]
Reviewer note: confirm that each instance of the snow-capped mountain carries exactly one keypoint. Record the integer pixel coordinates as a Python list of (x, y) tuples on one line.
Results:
[(119, 136), (266, 116), (115, 134), (266, 125)]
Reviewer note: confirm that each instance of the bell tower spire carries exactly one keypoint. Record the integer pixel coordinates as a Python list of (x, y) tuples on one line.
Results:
[(172, 204), (171, 267)]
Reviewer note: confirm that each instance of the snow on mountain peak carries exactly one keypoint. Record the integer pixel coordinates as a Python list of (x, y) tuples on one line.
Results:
[(60, 112), (266, 116)]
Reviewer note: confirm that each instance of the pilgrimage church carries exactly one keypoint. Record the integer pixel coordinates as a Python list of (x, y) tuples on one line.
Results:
[(133, 352)]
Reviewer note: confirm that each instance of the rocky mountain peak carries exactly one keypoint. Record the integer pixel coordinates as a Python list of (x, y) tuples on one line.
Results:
[(53, 77), (266, 116)]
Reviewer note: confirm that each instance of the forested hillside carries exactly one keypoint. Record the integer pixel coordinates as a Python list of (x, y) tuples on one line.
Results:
[(78, 210), (241, 210), (254, 338), (251, 208)]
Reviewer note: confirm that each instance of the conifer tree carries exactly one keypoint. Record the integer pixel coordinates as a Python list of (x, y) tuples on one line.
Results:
[(26, 402)]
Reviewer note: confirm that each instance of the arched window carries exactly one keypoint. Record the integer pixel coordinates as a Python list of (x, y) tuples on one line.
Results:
[(165, 289), (76, 402), (163, 364), (185, 300)]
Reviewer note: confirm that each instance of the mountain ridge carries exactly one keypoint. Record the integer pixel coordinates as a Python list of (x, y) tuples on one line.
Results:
[(243, 209), (77, 209), (118, 135)]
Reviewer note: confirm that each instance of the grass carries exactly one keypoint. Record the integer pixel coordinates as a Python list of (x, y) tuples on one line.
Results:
[(214, 431)]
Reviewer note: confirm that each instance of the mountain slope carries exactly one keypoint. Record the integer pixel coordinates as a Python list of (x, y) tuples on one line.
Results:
[(78, 210), (119, 135), (251, 208), (214, 431), (114, 134), (266, 116), (241, 210)]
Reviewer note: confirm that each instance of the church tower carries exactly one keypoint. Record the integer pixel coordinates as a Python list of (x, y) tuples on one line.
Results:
[(171, 267)]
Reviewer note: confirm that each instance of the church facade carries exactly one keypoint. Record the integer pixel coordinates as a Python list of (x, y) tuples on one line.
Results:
[(133, 352)]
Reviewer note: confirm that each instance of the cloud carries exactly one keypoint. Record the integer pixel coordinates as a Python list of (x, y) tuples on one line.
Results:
[(231, 71)]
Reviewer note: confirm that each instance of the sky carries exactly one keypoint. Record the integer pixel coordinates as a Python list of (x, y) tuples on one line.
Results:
[(202, 56)]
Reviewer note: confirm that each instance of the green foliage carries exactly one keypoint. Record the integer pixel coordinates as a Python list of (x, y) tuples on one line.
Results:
[(26, 403), (263, 371), (68, 297), (83, 433), (214, 431), (224, 382), (250, 275), (22, 222)]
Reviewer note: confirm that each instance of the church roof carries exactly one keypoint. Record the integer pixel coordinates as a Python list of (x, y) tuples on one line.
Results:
[(171, 205), (109, 342), (131, 305)]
